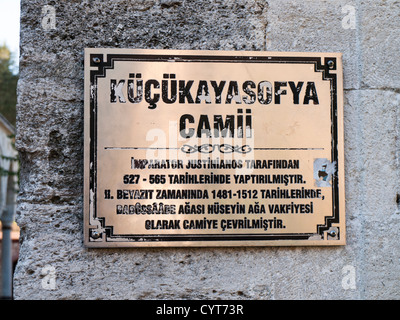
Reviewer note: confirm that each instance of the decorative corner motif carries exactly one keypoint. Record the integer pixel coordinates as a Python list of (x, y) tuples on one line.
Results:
[(209, 148)]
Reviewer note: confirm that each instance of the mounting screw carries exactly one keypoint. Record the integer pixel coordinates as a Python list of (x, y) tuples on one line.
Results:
[(95, 234), (332, 233), (331, 64), (96, 60)]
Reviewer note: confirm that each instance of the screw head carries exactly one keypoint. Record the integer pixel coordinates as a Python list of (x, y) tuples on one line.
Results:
[(95, 234), (332, 233), (331, 64), (96, 60)]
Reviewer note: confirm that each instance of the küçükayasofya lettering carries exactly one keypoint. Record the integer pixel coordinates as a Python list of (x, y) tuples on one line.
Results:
[(169, 90)]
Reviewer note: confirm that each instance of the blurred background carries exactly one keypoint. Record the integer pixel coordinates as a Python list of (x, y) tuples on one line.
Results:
[(9, 69), (9, 53)]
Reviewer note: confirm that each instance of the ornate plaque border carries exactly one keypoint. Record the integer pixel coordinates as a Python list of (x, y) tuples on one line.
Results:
[(97, 231)]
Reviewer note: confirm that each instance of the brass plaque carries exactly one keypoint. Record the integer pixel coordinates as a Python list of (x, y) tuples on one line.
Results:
[(213, 148)]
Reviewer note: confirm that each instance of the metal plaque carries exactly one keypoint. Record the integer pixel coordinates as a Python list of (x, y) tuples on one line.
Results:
[(213, 148)]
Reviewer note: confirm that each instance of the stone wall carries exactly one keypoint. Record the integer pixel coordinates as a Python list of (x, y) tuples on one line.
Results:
[(53, 264)]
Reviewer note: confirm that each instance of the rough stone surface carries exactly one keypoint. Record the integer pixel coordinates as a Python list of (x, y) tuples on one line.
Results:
[(379, 38), (313, 26), (50, 142)]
